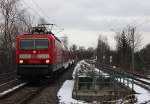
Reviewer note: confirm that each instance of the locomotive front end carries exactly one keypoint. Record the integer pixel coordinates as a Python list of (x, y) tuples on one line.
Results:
[(33, 56)]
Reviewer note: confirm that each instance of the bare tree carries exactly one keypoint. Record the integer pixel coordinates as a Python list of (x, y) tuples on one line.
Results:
[(127, 42), (14, 20), (73, 48), (103, 49), (65, 41)]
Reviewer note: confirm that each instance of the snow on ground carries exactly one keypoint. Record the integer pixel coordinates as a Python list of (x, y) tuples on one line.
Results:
[(101, 72), (142, 95), (84, 69), (65, 94), (146, 80)]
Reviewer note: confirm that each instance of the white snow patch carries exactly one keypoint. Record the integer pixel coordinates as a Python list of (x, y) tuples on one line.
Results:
[(142, 95), (102, 73), (83, 68), (146, 80), (65, 94)]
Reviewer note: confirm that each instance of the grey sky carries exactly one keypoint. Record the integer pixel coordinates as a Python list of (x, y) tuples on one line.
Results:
[(84, 20)]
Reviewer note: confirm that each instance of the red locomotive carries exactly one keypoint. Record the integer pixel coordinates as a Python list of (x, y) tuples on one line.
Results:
[(40, 54)]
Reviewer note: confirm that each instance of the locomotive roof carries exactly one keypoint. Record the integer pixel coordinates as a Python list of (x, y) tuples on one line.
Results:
[(38, 36)]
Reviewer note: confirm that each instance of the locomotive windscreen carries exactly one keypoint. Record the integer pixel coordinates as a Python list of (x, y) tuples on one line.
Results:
[(28, 44), (41, 43)]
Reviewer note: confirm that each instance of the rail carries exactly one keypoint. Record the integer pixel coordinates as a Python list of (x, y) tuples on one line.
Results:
[(31, 95), (140, 78), (5, 77), (22, 94)]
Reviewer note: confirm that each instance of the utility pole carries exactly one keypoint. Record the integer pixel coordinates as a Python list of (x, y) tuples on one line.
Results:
[(132, 34)]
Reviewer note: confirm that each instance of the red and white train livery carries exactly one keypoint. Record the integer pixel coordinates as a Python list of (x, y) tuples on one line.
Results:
[(40, 55)]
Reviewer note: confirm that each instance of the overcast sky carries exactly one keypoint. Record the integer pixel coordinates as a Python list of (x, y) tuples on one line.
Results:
[(84, 20)]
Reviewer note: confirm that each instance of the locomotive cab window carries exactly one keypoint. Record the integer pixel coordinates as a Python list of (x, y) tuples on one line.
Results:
[(41, 43), (27, 44)]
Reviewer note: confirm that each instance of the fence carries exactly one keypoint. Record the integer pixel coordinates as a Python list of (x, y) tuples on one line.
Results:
[(97, 84)]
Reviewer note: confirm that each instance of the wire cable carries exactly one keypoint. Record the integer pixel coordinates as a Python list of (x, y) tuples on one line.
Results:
[(40, 9), (37, 13)]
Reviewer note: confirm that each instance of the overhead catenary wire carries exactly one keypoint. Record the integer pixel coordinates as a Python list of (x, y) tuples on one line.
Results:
[(43, 14), (37, 13), (140, 18), (134, 25), (40, 9)]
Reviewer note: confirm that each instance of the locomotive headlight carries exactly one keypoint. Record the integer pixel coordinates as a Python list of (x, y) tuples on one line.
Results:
[(21, 61), (43, 55), (47, 61), (25, 56)]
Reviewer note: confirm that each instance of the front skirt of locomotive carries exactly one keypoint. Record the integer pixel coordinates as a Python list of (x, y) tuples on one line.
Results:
[(34, 71)]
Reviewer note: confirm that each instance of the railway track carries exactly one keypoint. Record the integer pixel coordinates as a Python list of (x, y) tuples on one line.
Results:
[(7, 86), (22, 95), (17, 92), (142, 78), (144, 81), (35, 94), (5, 77)]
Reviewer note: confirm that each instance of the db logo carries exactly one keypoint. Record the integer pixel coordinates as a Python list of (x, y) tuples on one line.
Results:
[(34, 56)]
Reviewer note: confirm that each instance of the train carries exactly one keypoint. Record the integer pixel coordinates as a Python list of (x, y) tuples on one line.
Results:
[(41, 55)]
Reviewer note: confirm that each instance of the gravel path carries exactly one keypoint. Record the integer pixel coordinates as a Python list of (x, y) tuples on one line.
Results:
[(49, 95)]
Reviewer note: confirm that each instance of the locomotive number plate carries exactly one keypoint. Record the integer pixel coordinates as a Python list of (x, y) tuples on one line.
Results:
[(33, 61), (34, 56)]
